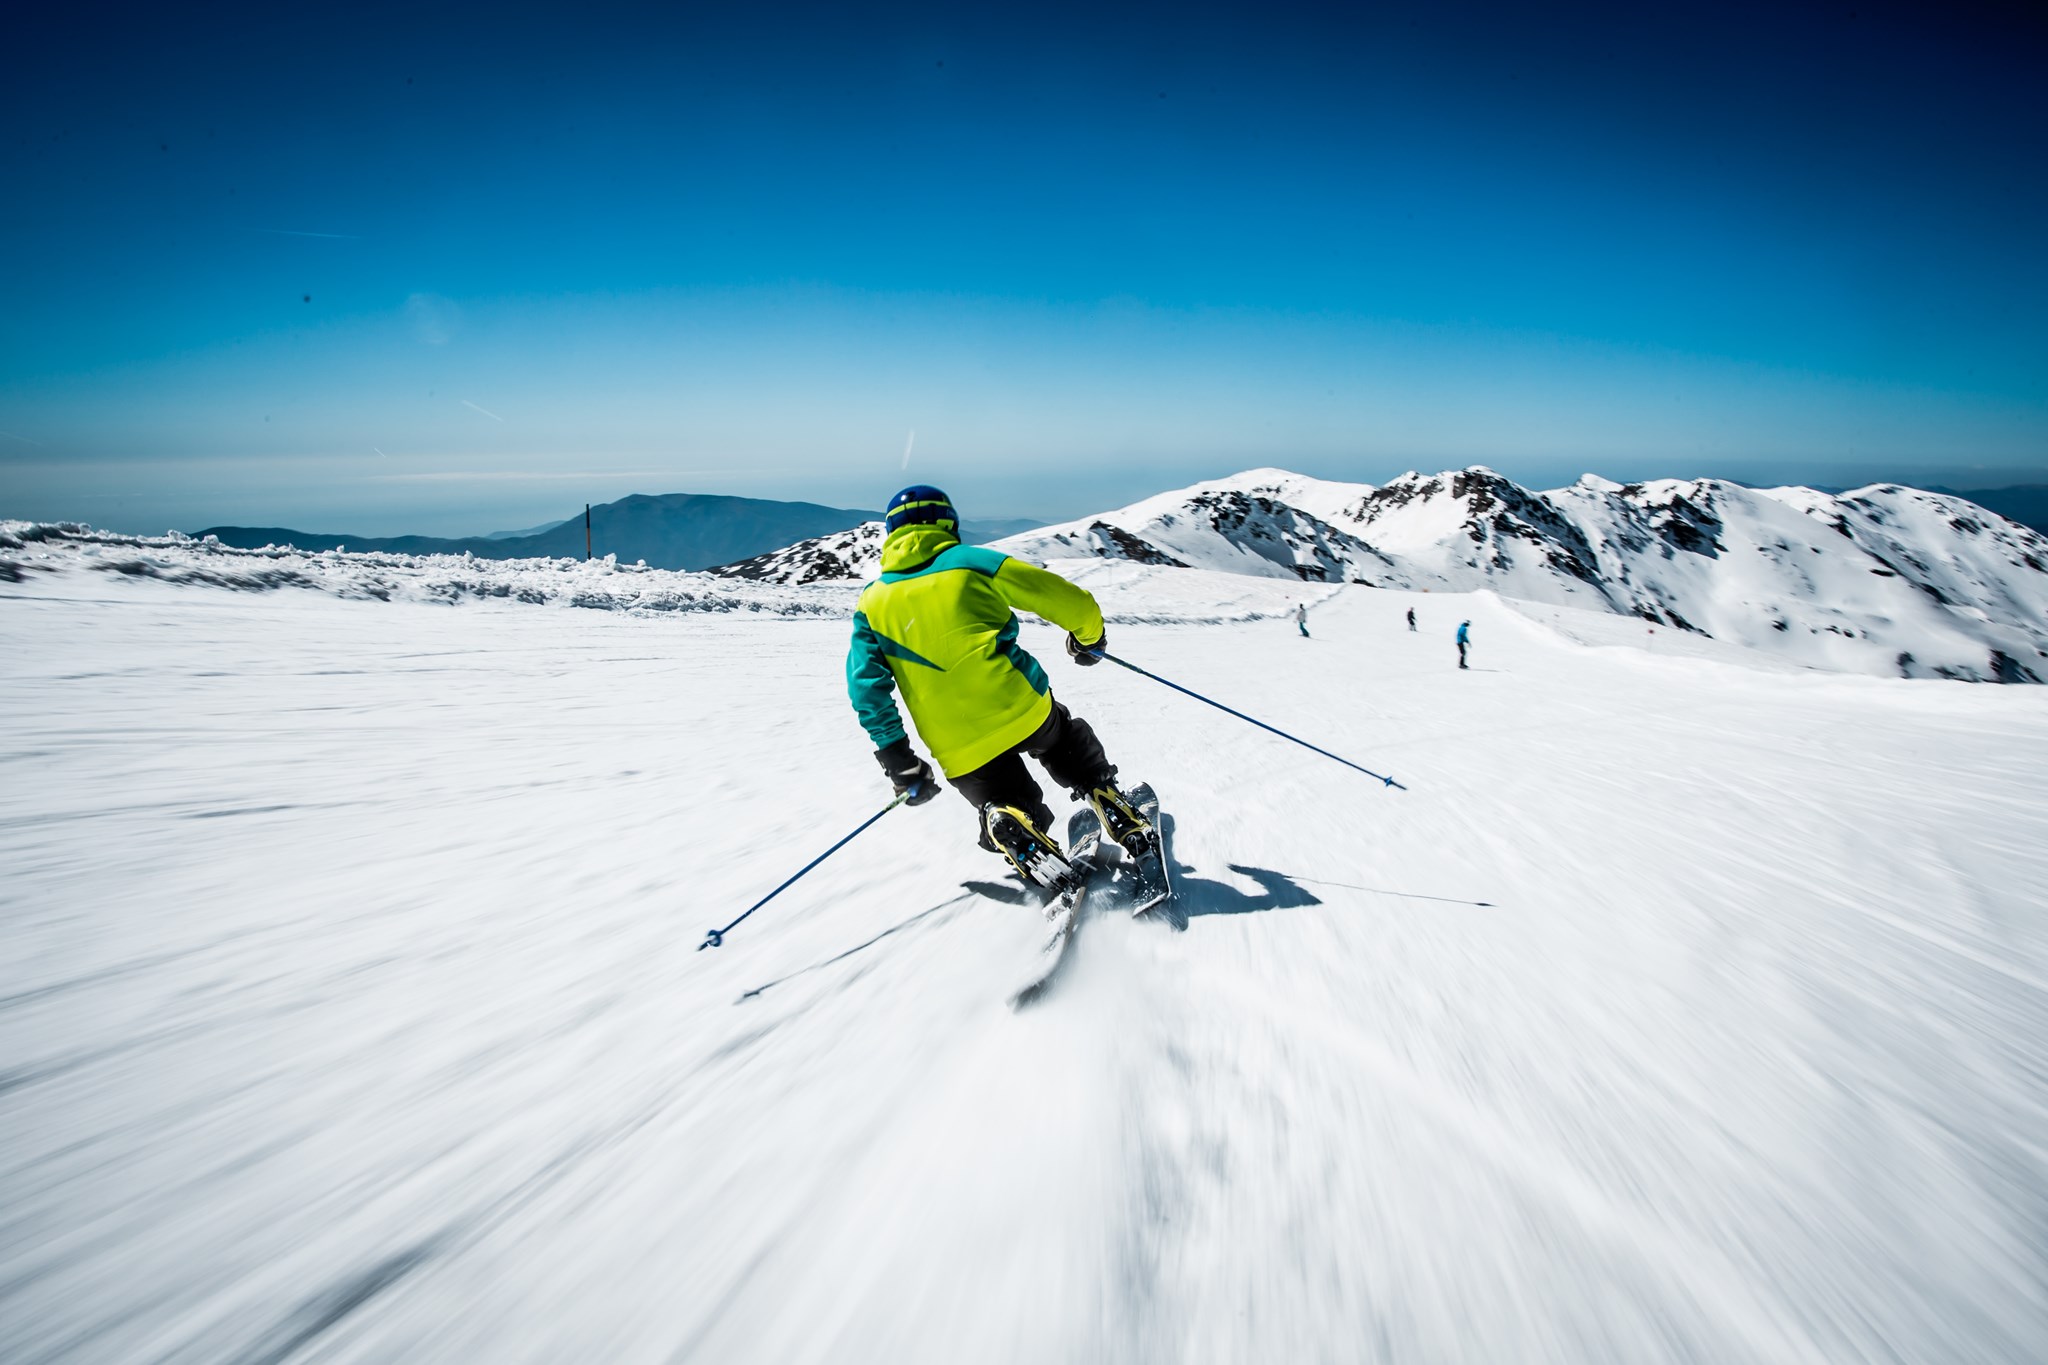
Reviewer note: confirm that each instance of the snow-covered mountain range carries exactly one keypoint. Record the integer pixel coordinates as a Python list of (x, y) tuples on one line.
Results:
[(1883, 579)]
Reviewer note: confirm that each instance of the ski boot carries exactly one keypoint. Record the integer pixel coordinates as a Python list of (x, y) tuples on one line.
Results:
[(1032, 852), (1128, 820), (1123, 824)]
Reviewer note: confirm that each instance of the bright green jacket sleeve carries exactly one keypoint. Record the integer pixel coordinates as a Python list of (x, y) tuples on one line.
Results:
[(1045, 594)]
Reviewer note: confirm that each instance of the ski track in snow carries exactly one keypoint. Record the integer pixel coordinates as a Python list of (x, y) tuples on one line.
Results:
[(351, 1009)]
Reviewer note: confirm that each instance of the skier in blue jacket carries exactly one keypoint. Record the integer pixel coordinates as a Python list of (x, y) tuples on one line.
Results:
[(1464, 639)]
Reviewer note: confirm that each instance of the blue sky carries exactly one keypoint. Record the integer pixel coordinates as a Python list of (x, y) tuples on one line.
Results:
[(386, 270)]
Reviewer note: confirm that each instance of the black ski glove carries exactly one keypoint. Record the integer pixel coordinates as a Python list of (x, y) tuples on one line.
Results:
[(908, 772), (1087, 655)]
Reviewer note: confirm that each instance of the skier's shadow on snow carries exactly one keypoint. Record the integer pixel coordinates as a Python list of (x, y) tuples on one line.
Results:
[(1199, 896), (1196, 896)]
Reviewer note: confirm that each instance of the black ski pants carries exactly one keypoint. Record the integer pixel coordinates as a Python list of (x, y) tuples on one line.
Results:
[(1069, 751)]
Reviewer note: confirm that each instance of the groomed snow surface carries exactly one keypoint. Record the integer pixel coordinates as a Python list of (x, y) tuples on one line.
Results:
[(350, 1006)]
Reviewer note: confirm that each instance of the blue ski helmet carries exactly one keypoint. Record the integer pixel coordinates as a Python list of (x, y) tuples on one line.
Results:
[(922, 503)]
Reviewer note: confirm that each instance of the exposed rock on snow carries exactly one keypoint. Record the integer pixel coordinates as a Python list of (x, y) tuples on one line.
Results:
[(1219, 527), (1121, 544), (842, 557)]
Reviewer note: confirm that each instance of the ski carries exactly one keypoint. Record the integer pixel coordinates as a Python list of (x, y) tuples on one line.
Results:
[(1150, 885), (1084, 847), (1171, 909), (1138, 882)]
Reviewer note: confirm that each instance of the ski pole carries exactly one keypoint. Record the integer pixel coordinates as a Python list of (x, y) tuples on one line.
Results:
[(717, 936), (1242, 716)]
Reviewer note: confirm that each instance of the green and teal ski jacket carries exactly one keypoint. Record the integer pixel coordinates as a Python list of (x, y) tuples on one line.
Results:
[(938, 625)]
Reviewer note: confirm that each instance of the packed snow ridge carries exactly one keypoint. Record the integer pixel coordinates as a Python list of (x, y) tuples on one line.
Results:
[(73, 553), (36, 548), (1883, 580)]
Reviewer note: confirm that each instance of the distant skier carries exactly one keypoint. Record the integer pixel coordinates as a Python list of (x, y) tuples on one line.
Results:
[(1411, 618), (1464, 640), (1301, 618), (938, 625)]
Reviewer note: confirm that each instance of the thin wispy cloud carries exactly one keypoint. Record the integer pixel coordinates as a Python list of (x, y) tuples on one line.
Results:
[(434, 318), (23, 439), (907, 445), (485, 411)]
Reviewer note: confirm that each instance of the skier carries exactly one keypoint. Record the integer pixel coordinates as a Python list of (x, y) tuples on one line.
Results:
[(1301, 618), (1464, 639), (938, 625), (1411, 618)]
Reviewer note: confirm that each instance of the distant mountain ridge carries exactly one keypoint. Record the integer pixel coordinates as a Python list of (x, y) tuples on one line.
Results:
[(1883, 579), (526, 531), (667, 530)]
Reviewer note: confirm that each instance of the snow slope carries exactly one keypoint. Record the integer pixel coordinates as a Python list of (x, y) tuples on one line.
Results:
[(349, 1006)]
